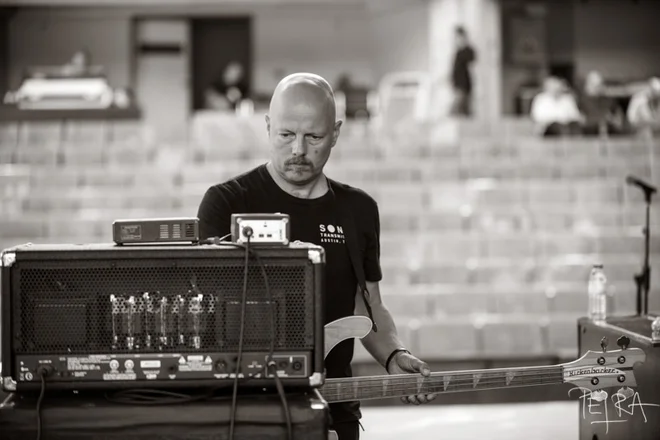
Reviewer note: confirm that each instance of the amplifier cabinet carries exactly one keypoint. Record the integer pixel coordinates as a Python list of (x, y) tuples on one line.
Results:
[(634, 415), (89, 417), (105, 316)]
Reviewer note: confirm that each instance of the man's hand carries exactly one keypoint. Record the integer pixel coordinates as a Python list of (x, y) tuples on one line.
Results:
[(407, 363), (301, 244)]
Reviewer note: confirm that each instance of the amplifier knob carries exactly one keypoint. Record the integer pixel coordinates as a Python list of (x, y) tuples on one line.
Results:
[(297, 365)]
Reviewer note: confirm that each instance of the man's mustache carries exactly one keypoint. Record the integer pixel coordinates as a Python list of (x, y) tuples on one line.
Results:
[(297, 161)]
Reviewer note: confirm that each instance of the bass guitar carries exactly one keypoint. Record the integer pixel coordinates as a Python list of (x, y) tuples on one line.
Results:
[(593, 371)]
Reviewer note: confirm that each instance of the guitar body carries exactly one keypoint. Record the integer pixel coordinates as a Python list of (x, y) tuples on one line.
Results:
[(350, 327)]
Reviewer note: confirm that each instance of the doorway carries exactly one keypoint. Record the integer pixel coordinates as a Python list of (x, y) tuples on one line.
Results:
[(162, 83)]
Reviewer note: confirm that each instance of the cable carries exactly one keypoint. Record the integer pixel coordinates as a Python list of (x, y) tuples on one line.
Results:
[(215, 240), (232, 417), (143, 397), (285, 405), (270, 362), (39, 401), (43, 372)]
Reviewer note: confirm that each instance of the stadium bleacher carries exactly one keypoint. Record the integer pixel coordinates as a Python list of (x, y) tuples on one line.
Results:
[(488, 240)]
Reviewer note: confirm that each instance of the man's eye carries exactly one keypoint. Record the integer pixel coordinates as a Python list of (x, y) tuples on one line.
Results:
[(285, 135), (316, 138)]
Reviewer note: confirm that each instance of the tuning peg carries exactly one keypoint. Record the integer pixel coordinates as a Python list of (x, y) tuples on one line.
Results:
[(655, 330), (626, 392), (603, 343), (623, 342)]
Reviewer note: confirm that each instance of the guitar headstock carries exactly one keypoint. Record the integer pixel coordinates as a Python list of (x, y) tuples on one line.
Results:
[(597, 370)]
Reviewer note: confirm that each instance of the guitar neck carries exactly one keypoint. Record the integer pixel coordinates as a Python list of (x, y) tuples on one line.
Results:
[(386, 386)]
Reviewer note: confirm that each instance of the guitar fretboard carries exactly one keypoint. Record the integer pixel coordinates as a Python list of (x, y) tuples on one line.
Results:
[(379, 387)]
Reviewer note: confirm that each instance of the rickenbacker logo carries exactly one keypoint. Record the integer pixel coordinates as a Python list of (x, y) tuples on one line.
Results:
[(592, 371), (332, 234)]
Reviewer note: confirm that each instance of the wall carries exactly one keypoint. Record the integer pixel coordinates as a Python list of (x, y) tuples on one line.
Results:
[(40, 37), (561, 31), (4, 52), (619, 38), (399, 33), (329, 40), (329, 44)]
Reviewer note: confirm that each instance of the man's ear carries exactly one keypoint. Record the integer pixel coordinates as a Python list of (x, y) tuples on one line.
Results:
[(335, 132), (267, 124)]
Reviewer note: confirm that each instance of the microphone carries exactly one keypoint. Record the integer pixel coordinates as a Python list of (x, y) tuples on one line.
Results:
[(648, 189)]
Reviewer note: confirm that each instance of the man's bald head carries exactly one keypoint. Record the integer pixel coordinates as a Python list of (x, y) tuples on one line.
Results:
[(302, 128), (304, 90)]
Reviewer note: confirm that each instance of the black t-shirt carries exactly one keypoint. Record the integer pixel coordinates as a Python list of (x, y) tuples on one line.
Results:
[(314, 221)]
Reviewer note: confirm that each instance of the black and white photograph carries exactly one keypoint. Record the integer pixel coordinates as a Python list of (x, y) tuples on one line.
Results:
[(329, 219)]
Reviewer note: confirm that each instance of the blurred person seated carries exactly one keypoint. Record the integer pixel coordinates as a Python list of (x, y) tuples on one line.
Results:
[(80, 66), (227, 93), (644, 108), (75, 85), (555, 111), (602, 115)]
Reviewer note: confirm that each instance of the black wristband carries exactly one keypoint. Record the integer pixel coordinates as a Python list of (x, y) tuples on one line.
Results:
[(391, 356)]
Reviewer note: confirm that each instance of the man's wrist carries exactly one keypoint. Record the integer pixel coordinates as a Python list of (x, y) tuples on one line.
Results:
[(392, 355)]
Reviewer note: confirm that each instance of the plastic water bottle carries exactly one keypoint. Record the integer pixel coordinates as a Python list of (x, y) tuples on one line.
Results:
[(597, 294)]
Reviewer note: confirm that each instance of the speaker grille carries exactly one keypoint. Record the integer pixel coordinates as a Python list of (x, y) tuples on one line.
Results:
[(159, 305)]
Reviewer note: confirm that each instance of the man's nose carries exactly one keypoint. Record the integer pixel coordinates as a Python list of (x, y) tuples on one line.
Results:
[(299, 146)]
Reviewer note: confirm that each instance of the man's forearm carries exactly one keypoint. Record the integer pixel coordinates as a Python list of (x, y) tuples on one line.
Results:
[(383, 342)]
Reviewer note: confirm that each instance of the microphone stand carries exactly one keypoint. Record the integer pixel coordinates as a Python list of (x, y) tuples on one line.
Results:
[(643, 279)]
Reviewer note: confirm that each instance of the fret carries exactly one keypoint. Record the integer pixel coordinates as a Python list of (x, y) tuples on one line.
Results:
[(446, 380), (420, 384), (475, 380)]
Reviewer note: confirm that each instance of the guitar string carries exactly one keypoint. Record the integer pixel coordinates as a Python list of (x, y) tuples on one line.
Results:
[(405, 383), (426, 388), (453, 377), (526, 371), (426, 380)]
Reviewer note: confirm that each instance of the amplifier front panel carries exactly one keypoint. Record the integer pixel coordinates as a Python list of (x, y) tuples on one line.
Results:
[(159, 306)]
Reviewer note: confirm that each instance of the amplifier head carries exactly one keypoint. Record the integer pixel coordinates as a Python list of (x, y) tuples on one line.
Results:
[(104, 300)]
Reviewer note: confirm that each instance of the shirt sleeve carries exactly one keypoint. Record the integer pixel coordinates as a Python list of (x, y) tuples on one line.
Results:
[(372, 270), (215, 210)]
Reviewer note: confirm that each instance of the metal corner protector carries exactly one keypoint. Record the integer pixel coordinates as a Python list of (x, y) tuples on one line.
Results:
[(316, 380), (316, 255), (8, 259), (8, 384)]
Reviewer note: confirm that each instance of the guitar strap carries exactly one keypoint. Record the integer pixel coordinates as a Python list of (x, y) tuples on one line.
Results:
[(351, 234)]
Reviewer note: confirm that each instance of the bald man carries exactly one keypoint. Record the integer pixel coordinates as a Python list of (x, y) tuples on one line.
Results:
[(302, 129)]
